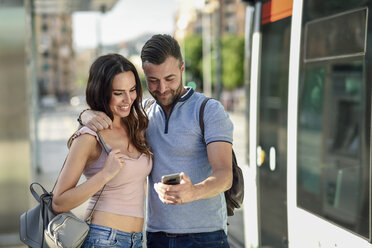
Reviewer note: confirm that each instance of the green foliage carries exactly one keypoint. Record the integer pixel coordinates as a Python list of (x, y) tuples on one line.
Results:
[(232, 61), (81, 81), (194, 59), (232, 56)]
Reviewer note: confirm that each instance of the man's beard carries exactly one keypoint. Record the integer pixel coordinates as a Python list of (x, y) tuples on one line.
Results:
[(175, 95)]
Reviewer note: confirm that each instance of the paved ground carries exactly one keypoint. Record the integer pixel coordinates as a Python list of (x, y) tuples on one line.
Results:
[(56, 126)]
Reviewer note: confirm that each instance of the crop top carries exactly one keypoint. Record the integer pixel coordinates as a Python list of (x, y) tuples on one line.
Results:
[(124, 194)]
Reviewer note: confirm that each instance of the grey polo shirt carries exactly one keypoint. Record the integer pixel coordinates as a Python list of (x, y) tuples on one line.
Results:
[(178, 147)]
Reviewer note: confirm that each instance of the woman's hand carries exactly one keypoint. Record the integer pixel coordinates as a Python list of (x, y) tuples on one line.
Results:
[(114, 163)]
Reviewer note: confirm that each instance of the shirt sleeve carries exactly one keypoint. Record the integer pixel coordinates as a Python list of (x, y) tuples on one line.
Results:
[(218, 126), (144, 102)]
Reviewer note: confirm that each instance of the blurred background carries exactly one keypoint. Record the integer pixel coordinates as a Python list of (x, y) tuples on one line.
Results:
[(46, 49)]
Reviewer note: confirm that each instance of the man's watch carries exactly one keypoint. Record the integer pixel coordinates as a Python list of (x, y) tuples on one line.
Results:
[(79, 119)]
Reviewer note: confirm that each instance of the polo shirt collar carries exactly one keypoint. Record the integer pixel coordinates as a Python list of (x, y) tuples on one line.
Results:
[(187, 95)]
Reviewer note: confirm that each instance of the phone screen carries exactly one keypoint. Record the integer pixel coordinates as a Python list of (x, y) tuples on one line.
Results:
[(171, 179)]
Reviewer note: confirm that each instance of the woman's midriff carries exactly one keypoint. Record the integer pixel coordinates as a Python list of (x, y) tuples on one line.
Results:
[(123, 223)]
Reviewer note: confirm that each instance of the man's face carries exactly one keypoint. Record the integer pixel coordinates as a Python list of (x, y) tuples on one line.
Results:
[(164, 81)]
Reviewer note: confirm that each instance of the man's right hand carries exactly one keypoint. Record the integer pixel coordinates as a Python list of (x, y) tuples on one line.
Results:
[(96, 120)]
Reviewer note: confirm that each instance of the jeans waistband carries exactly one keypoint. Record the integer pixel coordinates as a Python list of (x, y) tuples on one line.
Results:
[(112, 232), (174, 235)]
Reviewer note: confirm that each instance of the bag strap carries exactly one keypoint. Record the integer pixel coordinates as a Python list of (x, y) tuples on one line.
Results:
[(58, 175), (33, 192), (201, 116), (107, 150), (37, 197)]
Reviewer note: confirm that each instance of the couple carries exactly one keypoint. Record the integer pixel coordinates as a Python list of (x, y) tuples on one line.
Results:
[(190, 214)]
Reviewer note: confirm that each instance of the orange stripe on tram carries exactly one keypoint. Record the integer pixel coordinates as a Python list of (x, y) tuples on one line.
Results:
[(275, 10)]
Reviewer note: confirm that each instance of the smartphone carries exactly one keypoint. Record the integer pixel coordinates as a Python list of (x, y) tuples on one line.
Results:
[(171, 179)]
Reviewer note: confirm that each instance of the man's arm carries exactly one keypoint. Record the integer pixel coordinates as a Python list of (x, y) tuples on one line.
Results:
[(220, 158), (95, 120)]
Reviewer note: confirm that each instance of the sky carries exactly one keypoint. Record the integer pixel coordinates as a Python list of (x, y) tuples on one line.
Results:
[(128, 19)]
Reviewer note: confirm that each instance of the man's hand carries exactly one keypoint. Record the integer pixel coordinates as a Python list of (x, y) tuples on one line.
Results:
[(176, 194), (96, 120), (219, 155)]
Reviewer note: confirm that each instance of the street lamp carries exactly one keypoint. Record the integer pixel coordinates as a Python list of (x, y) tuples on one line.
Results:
[(99, 50), (208, 8), (206, 32), (182, 24)]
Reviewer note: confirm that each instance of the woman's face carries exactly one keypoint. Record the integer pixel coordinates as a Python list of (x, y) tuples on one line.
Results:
[(123, 94)]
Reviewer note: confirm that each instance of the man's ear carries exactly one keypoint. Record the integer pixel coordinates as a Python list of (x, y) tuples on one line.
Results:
[(183, 66)]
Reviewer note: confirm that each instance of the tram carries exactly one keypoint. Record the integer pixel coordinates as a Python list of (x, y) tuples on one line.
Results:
[(308, 182)]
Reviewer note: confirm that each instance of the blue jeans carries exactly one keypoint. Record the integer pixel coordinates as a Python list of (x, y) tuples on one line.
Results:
[(217, 239), (102, 236)]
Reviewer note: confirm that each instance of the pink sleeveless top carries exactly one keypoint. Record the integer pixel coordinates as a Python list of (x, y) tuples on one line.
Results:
[(124, 194)]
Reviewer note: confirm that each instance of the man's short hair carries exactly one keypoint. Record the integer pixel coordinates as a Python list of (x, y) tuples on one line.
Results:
[(159, 47)]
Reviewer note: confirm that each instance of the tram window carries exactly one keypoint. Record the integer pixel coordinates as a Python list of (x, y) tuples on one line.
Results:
[(324, 39), (332, 151), (315, 9)]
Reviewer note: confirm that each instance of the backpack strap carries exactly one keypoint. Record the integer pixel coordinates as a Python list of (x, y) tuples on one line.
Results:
[(201, 116), (233, 196)]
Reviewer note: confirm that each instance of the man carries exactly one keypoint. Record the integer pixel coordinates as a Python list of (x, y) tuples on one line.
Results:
[(192, 213)]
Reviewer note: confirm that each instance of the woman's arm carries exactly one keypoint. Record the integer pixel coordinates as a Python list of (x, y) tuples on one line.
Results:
[(83, 151)]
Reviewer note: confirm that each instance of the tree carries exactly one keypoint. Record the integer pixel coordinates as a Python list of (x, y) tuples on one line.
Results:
[(232, 61), (194, 59)]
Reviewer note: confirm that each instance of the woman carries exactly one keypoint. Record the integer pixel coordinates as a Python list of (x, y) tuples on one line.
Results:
[(115, 89)]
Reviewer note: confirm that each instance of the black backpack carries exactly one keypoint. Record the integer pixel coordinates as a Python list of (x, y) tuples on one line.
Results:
[(235, 195)]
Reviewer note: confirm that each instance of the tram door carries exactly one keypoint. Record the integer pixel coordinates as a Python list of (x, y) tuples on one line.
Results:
[(329, 201), (272, 126)]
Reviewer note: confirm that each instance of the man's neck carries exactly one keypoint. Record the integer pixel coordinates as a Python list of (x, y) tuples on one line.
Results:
[(167, 109)]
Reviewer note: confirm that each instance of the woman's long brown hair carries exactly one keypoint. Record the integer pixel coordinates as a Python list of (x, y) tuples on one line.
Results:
[(99, 92)]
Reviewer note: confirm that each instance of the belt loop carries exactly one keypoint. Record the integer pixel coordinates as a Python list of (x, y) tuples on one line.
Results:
[(112, 234)]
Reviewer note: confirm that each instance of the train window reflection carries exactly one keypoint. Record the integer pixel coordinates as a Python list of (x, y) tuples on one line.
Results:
[(324, 39), (333, 157)]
